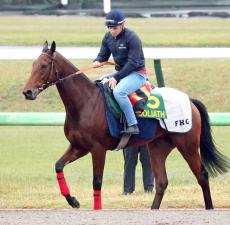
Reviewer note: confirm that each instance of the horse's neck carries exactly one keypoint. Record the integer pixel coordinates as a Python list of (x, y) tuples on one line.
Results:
[(63, 66), (76, 90)]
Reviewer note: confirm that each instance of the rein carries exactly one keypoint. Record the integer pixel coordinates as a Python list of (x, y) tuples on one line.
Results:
[(60, 80), (84, 69)]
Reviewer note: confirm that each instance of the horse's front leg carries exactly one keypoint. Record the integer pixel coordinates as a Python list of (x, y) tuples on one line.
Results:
[(98, 158), (69, 156)]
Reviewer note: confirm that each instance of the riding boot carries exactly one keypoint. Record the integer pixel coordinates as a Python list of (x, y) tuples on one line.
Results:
[(131, 130)]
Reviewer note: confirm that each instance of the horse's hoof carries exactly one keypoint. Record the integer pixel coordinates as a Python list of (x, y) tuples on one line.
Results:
[(73, 201), (209, 208), (154, 208)]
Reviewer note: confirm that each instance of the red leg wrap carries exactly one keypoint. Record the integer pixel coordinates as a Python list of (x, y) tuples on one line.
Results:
[(62, 184), (97, 200)]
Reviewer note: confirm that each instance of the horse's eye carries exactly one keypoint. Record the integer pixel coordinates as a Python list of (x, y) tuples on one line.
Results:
[(43, 66)]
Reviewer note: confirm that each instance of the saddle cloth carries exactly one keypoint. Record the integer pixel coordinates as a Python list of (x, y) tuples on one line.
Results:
[(178, 110)]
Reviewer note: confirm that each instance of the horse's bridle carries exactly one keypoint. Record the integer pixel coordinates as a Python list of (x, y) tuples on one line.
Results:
[(57, 75), (53, 68), (60, 80)]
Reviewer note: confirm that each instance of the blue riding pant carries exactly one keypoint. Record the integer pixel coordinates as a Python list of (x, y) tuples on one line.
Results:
[(125, 87)]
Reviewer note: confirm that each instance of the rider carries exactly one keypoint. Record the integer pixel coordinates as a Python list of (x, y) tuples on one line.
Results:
[(126, 49)]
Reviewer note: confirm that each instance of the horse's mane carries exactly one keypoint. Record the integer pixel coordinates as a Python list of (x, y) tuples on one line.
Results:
[(83, 75), (66, 60)]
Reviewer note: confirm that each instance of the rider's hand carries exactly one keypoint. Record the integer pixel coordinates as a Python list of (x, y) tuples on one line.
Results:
[(112, 83), (96, 64), (105, 80)]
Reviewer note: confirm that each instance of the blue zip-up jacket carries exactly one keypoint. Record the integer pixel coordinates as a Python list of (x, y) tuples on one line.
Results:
[(126, 49)]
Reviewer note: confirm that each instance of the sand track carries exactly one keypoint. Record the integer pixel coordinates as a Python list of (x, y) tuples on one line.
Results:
[(108, 217)]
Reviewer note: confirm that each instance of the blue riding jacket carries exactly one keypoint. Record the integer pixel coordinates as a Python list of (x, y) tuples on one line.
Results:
[(126, 49)]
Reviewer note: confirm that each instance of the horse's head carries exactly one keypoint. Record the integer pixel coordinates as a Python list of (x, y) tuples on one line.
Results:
[(43, 73)]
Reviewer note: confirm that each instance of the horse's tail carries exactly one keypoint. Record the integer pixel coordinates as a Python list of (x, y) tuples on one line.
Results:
[(214, 161)]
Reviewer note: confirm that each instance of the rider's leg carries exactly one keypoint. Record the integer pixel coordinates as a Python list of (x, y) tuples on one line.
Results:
[(126, 86)]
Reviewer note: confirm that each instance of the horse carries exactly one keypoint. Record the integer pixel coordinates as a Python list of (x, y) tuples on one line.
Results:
[(87, 131)]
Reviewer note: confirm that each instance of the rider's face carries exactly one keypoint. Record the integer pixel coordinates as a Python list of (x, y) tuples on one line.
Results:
[(115, 30)]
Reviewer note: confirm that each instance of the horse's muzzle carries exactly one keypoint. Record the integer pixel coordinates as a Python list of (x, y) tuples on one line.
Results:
[(30, 95)]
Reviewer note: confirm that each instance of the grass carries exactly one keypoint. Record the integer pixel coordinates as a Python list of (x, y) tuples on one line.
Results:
[(190, 76), (28, 177), (88, 31)]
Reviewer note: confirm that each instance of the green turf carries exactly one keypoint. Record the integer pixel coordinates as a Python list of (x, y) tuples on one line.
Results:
[(190, 76), (27, 178), (88, 31)]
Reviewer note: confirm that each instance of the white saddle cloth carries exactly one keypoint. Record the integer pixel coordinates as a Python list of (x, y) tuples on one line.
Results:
[(178, 110)]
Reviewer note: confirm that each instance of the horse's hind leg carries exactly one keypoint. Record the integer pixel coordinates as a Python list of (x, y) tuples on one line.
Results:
[(69, 156), (204, 183), (159, 150), (190, 152)]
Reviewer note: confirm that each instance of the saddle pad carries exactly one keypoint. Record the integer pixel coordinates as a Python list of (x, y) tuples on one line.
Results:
[(147, 126), (178, 110)]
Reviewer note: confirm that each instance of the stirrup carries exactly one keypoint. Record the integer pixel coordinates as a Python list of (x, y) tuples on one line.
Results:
[(123, 141)]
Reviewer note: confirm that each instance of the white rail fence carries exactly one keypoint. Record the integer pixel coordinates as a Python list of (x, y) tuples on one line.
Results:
[(32, 52)]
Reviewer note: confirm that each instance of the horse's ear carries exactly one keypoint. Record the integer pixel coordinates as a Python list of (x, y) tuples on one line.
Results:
[(45, 47), (53, 47)]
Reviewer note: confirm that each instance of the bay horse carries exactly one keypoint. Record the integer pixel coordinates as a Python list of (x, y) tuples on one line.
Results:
[(87, 131)]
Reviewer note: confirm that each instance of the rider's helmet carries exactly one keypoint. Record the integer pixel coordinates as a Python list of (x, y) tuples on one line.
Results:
[(114, 18)]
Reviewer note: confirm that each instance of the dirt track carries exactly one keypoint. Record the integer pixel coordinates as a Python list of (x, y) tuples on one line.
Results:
[(118, 217)]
